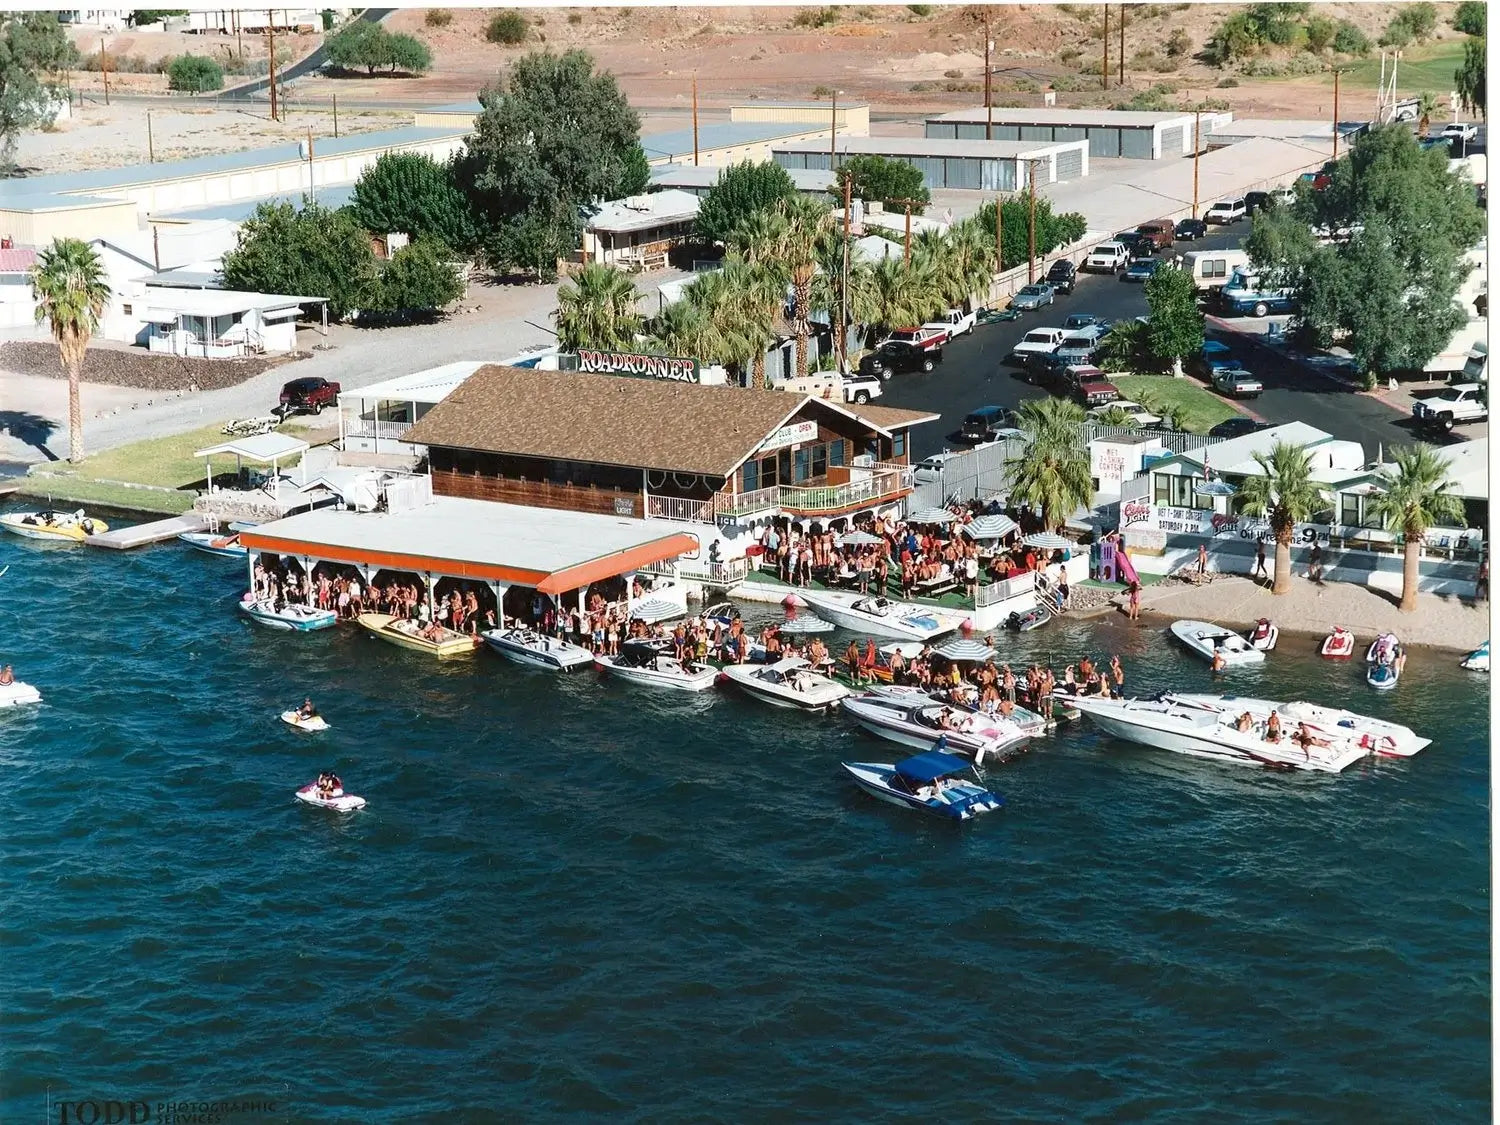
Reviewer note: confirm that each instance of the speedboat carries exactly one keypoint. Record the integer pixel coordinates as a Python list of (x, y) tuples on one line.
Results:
[(919, 722), (338, 800), (225, 546), (935, 782), (881, 671), (1391, 740), (16, 694), (1207, 639), (311, 724), (1184, 729), (723, 614), (1478, 660), (1024, 621), (1029, 722), (1263, 635), (444, 643), (655, 666), (789, 682), (527, 646), (881, 616), (60, 527), (291, 616), (1338, 645)]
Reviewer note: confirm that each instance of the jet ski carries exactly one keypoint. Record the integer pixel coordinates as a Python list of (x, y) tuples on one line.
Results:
[(1338, 645), (313, 723), (339, 801), (1478, 660), (1264, 635)]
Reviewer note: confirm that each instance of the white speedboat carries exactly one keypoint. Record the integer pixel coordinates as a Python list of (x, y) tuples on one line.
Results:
[(1263, 635), (311, 723), (213, 543), (655, 666), (880, 616), (1391, 740), (919, 722), (337, 800), (789, 682), (537, 650), (1478, 660), (1183, 729), (17, 694), (1207, 639), (290, 616), (935, 782), (1029, 722)]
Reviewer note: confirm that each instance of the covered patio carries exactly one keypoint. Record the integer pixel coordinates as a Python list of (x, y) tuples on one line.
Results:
[(375, 419), (225, 323)]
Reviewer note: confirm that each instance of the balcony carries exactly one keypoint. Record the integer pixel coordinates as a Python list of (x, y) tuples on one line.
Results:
[(883, 482), (369, 428)]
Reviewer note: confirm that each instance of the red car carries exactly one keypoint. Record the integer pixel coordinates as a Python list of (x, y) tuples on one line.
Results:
[(308, 396)]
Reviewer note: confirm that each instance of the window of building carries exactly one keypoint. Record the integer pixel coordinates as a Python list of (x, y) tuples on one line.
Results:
[(127, 309), (752, 475), (836, 452), (898, 444), (872, 449), (1177, 492), (820, 460), (801, 465)]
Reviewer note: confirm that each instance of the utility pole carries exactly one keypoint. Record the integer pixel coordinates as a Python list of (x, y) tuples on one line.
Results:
[(150, 141), (1106, 46), (1031, 223), (1335, 113), (999, 240), (1120, 81), (335, 116), (907, 202), (989, 104), (239, 44), (104, 70), (271, 30), (1197, 144), (695, 119), (156, 246), (844, 288), (312, 187), (833, 132)]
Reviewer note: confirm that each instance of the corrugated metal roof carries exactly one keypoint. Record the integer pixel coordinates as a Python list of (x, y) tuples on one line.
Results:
[(641, 212), (241, 209), (929, 146), (705, 176), (1053, 115), (729, 134), (16, 260)]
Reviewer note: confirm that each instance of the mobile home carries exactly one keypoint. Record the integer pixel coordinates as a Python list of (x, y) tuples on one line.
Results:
[(1210, 269)]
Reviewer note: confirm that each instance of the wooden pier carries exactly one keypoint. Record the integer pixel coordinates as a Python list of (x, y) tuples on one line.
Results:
[(124, 538)]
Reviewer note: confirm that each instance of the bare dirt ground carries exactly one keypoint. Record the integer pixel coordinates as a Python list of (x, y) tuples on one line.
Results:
[(135, 58)]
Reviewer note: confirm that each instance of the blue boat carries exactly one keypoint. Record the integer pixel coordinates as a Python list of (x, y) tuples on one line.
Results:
[(211, 542), (935, 782)]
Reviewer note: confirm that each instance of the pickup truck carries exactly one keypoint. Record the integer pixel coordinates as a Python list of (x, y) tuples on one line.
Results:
[(828, 384), (1039, 341), (954, 322), (1462, 402), (926, 338), (308, 395), (894, 356), (1107, 257)]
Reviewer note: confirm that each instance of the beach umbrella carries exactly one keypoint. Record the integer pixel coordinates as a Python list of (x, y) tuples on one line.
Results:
[(1214, 488), (1047, 541), (989, 527), (959, 649), (931, 515), (806, 623), (859, 539)]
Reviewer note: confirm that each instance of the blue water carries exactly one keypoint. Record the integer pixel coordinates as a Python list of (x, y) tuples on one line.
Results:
[(570, 899)]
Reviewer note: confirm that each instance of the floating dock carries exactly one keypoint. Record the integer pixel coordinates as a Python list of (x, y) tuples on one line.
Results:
[(124, 538)]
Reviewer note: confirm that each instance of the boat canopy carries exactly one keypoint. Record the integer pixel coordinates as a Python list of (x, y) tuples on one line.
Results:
[(928, 767)]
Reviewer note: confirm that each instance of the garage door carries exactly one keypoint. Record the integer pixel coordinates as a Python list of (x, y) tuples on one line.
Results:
[(941, 130), (1172, 139), (1069, 165), (1136, 143), (968, 132), (1036, 133), (1104, 142)]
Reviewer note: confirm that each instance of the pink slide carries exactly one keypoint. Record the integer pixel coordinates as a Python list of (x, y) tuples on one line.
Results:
[(1125, 567)]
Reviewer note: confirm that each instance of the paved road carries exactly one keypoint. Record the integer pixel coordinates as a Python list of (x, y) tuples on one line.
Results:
[(305, 65), (973, 375)]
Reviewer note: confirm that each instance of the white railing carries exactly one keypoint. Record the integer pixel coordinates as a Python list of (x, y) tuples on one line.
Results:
[(994, 593), (676, 508), (882, 480), (729, 572), (367, 428)]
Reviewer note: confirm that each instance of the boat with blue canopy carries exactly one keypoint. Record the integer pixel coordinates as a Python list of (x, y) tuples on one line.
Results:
[(935, 782)]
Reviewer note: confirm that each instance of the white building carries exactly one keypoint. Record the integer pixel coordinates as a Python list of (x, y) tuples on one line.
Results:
[(638, 232), (222, 323)]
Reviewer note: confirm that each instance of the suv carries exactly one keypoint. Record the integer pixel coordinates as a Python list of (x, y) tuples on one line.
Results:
[(1079, 347), (985, 424), (1091, 388), (1107, 257), (1462, 402), (1039, 341), (1161, 232), (1190, 230), (1225, 211), (931, 468), (1076, 322), (1062, 276), (1137, 244), (895, 356), (308, 395)]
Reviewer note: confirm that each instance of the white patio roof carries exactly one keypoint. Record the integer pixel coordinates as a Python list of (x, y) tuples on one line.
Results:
[(430, 386), (261, 447), (168, 304)]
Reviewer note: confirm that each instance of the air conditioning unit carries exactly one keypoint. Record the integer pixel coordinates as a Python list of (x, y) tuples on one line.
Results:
[(864, 461)]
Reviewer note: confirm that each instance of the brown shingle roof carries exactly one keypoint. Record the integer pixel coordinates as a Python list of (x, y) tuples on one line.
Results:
[(606, 419), (890, 417)]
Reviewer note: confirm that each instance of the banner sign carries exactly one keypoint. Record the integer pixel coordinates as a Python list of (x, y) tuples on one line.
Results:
[(629, 363), (794, 434)]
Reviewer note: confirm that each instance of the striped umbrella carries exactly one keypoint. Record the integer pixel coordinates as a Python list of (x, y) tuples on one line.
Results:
[(1047, 541), (960, 649), (806, 623), (989, 527), (859, 539), (931, 515)]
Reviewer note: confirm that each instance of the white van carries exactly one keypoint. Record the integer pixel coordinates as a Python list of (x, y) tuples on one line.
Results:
[(1210, 269)]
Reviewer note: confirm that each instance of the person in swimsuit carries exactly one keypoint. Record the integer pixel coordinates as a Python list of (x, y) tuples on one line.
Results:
[(307, 710), (7, 676)]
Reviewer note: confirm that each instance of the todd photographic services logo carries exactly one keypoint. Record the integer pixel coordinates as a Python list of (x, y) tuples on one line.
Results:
[(136, 1111)]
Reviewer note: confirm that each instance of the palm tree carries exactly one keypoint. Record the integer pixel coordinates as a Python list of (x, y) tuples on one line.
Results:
[(1427, 105), (70, 290), (1053, 473), (596, 308), (682, 329), (831, 285), (751, 300), (1416, 497), (798, 229), (1173, 416), (1285, 494), (896, 295), (1117, 416)]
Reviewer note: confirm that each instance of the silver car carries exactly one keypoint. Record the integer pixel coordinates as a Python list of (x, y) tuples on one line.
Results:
[(1034, 297)]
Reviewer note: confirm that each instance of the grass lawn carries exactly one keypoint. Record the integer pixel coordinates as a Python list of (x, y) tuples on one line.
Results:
[(1428, 67), (1201, 408)]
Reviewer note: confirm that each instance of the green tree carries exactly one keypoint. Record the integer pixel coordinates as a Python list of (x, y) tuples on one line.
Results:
[(838, 290), (897, 296), (1284, 493), (1238, 37), (195, 74), (596, 308), (312, 252), (636, 176), (554, 141), (1416, 497), (409, 54), (1320, 33), (1117, 416), (412, 193), (1052, 230), (1427, 105), (754, 298), (1052, 474), (884, 180), (1469, 78), (508, 28), (1126, 347), (362, 44), (740, 190), (1350, 40), (1469, 17), (70, 289), (1176, 327), (34, 53), (145, 18), (789, 235), (420, 279)]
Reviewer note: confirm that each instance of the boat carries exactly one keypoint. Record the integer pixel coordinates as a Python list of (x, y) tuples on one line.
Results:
[(410, 634), (723, 614), (313, 723), (1382, 677), (881, 616), (291, 616), (1263, 635), (537, 650), (1391, 740), (655, 666), (211, 542), (17, 694), (1024, 621), (59, 527), (789, 682), (1029, 722), (1201, 733), (1338, 645), (1478, 660), (1207, 639), (918, 723), (935, 782), (338, 800)]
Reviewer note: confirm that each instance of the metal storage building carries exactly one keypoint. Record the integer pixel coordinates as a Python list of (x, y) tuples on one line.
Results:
[(1109, 132), (975, 165)]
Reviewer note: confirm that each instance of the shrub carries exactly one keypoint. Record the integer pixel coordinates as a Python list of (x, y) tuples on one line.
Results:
[(1071, 83), (923, 10), (1320, 31), (1280, 32), (195, 74), (1070, 55), (816, 17), (953, 74), (1396, 34), (1025, 86), (508, 28), (822, 91), (327, 16), (1178, 44), (1227, 83), (1469, 18), (1350, 40), (1420, 19), (575, 18), (438, 17)]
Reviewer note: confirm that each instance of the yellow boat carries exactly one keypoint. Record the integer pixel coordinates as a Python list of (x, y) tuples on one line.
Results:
[(408, 634), (68, 527)]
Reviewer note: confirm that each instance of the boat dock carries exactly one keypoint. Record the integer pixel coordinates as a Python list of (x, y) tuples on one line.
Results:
[(13, 484), (124, 538)]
